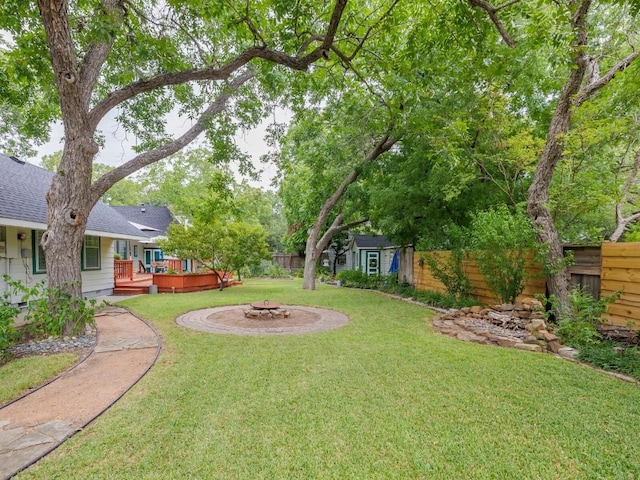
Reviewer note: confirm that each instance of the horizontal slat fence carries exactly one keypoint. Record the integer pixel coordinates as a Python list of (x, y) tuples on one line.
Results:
[(424, 280), (621, 272)]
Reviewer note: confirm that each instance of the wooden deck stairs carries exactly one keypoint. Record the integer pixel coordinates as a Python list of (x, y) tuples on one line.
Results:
[(139, 285)]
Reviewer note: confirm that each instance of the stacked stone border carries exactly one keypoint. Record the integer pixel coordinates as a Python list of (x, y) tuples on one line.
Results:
[(521, 325), (204, 320)]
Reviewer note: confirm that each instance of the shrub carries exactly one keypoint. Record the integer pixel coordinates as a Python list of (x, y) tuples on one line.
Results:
[(8, 313), (450, 272), (500, 238), (356, 279), (323, 273), (54, 309), (389, 284), (444, 300), (578, 327), (609, 356), (275, 270), (50, 310)]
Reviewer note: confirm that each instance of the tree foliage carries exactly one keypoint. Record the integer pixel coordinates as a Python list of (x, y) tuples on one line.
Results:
[(216, 246), (501, 242)]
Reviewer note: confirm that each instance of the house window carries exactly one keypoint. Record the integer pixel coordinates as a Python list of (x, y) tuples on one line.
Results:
[(342, 259), (39, 264), (91, 253), (135, 251), (121, 248), (3, 240)]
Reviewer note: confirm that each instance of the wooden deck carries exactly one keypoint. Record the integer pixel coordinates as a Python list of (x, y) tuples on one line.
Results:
[(138, 285)]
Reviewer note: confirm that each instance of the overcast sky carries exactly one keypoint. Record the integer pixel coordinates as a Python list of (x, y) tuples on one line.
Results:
[(117, 148)]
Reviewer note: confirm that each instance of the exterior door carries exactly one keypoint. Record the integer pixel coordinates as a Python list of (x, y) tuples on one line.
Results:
[(152, 255), (372, 263)]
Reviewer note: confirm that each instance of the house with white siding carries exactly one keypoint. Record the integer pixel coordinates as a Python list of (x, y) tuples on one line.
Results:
[(152, 222), (371, 254), (23, 219)]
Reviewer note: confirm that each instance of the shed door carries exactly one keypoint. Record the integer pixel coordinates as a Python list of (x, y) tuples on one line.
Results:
[(372, 261)]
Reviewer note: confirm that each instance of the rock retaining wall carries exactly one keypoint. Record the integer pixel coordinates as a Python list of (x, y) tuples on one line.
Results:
[(521, 325)]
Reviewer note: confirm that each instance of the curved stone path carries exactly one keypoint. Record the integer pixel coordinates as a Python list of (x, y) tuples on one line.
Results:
[(38, 422), (204, 320)]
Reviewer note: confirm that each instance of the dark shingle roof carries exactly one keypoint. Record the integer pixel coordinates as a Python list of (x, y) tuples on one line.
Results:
[(158, 218), (23, 189), (372, 241)]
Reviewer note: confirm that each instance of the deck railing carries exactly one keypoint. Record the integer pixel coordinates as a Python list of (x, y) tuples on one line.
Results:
[(123, 269), (174, 264)]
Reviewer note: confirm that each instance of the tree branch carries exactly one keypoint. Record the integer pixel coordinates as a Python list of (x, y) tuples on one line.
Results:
[(336, 228), (381, 147), (622, 222), (105, 182), (586, 92), (492, 12), (96, 56), (223, 73)]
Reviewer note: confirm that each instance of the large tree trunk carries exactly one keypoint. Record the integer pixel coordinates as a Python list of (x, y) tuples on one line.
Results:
[(314, 247), (69, 204), (310, 263), (558, 280)]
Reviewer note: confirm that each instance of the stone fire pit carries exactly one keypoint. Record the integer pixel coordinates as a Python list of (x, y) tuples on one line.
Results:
[(266, 310)]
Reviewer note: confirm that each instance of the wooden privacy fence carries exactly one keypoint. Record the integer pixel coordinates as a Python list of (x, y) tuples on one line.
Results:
[(288, 261), (615, 269), (620, 271), (424, 280)]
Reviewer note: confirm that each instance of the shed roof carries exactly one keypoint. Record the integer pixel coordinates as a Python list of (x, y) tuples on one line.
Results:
[(372, 241), (23, 189)]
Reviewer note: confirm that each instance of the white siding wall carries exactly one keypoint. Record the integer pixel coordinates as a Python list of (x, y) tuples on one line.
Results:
[(13, 264), (94, 282), (97, 282), (386, 257)]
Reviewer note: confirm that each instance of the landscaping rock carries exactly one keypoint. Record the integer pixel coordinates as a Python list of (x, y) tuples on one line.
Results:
[(506, 342), (568, 352), (470, 337), (536, 325), (553, 346), (529, 347)]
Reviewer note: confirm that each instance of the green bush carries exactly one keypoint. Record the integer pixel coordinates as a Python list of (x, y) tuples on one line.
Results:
[(608, 356), (444, 300), (450, 273), (50, 310), (389, 284), (499, 239), (275, 270), (323, 273), (8, 314), (356, 279), (578, 327)]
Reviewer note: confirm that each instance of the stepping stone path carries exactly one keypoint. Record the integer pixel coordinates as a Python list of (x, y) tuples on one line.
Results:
[(38, 422)]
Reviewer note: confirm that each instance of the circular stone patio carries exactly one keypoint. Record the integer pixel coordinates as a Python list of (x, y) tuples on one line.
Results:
[(231, 320)]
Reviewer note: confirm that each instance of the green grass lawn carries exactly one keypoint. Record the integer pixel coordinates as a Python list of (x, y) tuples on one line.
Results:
[(18, 376), (383, 397)]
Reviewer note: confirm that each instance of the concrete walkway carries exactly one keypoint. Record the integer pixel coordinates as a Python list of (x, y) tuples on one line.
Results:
[(37, 423)]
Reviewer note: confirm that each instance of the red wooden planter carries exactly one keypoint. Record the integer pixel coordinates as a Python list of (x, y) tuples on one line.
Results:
[(188, 282)]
